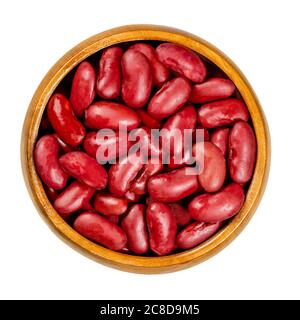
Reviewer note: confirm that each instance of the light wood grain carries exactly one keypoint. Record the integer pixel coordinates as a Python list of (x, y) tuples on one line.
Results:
[(119, 260)]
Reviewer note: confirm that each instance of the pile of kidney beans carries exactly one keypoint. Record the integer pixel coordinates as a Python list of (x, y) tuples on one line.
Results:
[(145, 209)]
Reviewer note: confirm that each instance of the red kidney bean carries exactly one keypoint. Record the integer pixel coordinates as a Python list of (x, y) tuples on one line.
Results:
[(147, 120), (222, 113), (134, 225), (100, 230), (139, 185), (219, 206), (121, 174), (242, 152), (170, 98), (83, 88), (108, 84), (181, 214), (212, 166), (195, 234), (212, 89), (137, 79), (186, 118), (92, 143), (109, 115), (172, 186), (160, 74), (84, 168), (108, 204), (162, 228), (63, 120), (182, 60), (64, 147), (46, 162), (219, 138), (73, 198), (132, 197)]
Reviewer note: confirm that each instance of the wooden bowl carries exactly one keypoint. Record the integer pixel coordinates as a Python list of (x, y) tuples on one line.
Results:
[(120, 260)]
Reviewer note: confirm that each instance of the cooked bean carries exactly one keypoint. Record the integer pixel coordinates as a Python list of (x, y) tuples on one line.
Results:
[(182, 60), (219, 206), (162, 228), (99, 229), (222, 113), (134, 225), (242, 152)]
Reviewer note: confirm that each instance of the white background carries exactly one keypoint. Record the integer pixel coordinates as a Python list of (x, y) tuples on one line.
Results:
[(262, 37)]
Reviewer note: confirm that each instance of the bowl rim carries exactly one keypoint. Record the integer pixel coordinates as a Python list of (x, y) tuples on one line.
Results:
[(122, 261)]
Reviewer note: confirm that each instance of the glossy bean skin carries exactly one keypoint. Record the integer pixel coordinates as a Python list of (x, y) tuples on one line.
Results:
[(186, 118), (83, 88), (92, 143), (134, 225), (63, 120), (162, 228), (121, 174), (196, 233), (84, 168), (181, 214), (99, 229), (46, 154), (222, 113), (147, 120), (219, 138), (211, 90), (132, 197), (212, 166), (108, 84), (73, 198), (242, 152), (107, 204), (212, 208), (160, 74), (137, 79), (109, 115), (139, 185), (64, 147), (182, 60), (172, 186), (170, 98)]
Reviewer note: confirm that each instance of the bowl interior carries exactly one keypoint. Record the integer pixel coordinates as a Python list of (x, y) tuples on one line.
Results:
[(61, 73)]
